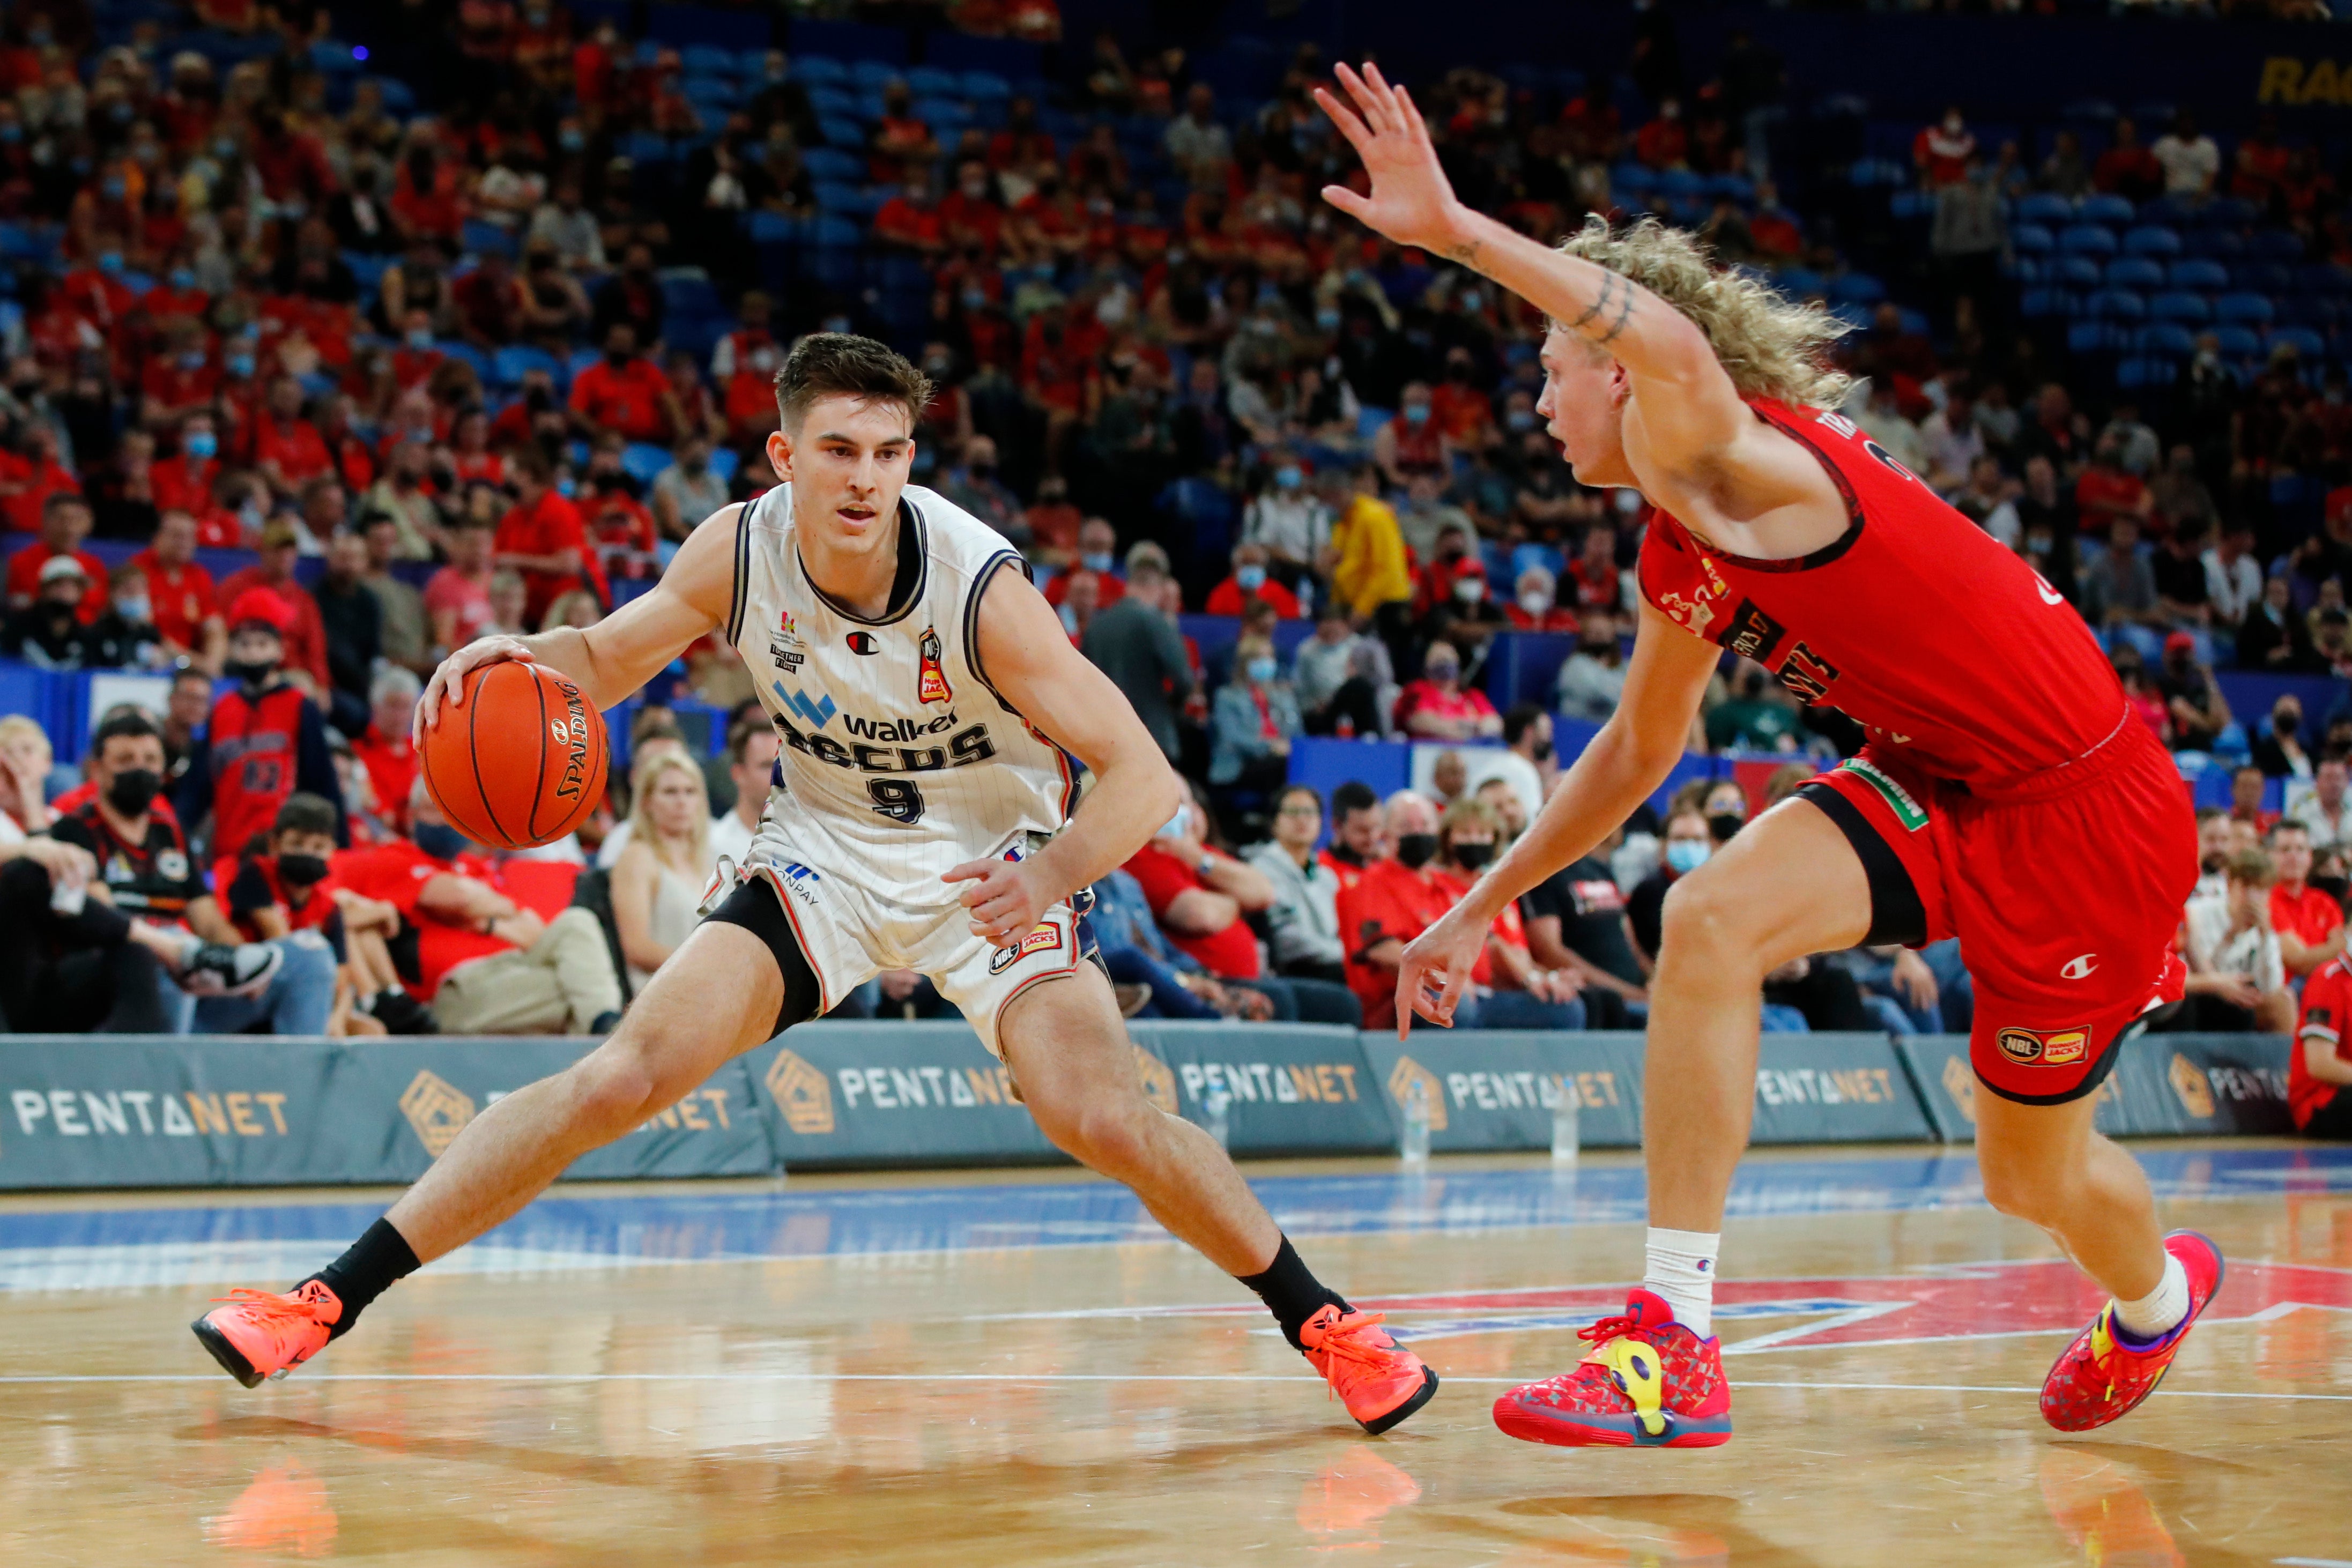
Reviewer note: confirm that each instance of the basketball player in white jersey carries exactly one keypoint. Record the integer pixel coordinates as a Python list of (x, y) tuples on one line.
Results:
[(922, 819)]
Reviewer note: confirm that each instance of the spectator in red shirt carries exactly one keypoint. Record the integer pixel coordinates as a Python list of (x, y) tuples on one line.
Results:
[(543, 538), (491, 303), (303, 634), (1463, 412), (1436, 708), (623, 392), (1941, 152), (911, 219), (969, 215), (1510, 990), (457, 599), (2320, 1066), (1248, 580), (29, 482), (1537, 606), (487, 962), (2127, 168), (186, 482), (1594, 571), (1396, 898), (186, 609), (288, 450), (1665, 142), (2309, 922), (64, 523), (1412, 442), (180, 379), (2107, 490), (2247, 786)]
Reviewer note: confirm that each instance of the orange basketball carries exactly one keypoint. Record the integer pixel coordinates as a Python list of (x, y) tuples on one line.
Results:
[(521, 761)]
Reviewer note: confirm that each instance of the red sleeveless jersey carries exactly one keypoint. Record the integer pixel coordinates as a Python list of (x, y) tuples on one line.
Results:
[(253, 748), (1953, 652)]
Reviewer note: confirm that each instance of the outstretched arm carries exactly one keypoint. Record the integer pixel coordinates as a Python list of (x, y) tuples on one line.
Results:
[(1028, 659), (628, 648), (1688, 405), (1629, 759)]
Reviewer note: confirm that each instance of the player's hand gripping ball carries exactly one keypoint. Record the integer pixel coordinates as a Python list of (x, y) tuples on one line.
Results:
[(519, 760)]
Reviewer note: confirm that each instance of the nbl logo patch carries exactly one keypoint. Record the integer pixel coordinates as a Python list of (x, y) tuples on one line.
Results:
[(2045, 1048)]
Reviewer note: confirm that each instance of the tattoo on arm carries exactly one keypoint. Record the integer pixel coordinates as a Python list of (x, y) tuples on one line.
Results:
[(1624, 314), (1608, 287), (1466, 253)]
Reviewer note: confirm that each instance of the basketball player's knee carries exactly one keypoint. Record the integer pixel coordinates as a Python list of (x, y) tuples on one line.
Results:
[(1702, 922), (1103, 1133), (2022, 1186), (616, 1089)]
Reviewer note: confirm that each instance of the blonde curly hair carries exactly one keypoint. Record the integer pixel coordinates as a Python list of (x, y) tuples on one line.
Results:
[(1771, 347)]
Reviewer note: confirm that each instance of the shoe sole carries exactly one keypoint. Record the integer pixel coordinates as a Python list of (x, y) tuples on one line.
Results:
[(232, 1359), (2220, 1272), (1420, 1396), (1605, 1432)]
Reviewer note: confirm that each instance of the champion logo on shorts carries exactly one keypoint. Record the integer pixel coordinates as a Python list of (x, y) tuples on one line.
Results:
[(2048, 1047), (2080, 966), (1907, 811)]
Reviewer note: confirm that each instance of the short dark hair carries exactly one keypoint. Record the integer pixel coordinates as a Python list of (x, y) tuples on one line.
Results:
[(843, 364), (116, 726), (1288, 790), (1353, 796), (1516, 720), (305, 813)]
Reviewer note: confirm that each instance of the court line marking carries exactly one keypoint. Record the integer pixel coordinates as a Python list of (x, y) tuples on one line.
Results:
[(530, 1378)]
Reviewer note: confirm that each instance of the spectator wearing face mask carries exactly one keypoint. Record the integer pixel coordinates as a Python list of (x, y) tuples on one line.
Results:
[(1470, 616), (1251, 580), (1412, 444), (263, 740), (1254, 721), (2278, 750), (1535, 607), (284, 887), (1685, 845), (2191, 696), (1592, 681), (1137, 645), (48, 632), (1509, 988), (1437, 707), (1290, 522)]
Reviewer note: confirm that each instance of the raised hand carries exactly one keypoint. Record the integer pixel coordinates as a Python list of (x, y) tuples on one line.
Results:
[(1412, 202)]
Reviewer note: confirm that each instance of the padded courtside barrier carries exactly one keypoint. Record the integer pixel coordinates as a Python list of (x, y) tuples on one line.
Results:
[(115, 1111), (2163, 1085)]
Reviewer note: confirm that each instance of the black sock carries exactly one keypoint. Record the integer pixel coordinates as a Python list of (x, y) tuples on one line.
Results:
[(365, 1271), (1292, 1292)]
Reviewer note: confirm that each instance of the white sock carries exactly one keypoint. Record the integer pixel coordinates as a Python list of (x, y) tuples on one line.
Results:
[(1682, 1270), (2159, 1312)]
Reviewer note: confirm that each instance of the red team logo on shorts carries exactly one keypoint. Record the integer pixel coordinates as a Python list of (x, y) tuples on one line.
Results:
[(2049, 1048)]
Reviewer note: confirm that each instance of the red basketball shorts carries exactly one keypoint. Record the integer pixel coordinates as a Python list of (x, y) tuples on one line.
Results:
[(2065, 890)]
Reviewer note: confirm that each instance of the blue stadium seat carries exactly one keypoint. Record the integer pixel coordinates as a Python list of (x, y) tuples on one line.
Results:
[(2152, 241), (2165, 337), (2102, 208), (2176, 305), (2087, 240), (707, 60), (837, 102), (708, 91), (2305, 342), (2221, 244), (813, 71), (2263, 277), (2238, 342), (929, 81), (945, 115), (481, 238), (643, 147), (2198, 273), (2171, 213), (2116, 305), (688, 292), (457, 348), (2032, 239), (1912, 204), (1800, 281), (2093, 337), (2135, 272), (640, 460), (1856, 288), (839, 131), (980, 85), (832, 164), (511, 364), (872, 76), (581, 359), (2028, 270), (399, 97), (1736, 188), (2078, 272), (2146, 372), (2040, 302), (723, 463), (773, 228), (2045, 207), (831, 232), (2244, 310)]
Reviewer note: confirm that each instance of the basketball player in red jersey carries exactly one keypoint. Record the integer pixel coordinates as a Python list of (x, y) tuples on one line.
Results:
[(2005, 796)]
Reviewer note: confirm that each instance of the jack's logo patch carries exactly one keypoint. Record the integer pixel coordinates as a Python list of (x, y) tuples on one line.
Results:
[(1043, 939), (932, 686), (2048, 1047)]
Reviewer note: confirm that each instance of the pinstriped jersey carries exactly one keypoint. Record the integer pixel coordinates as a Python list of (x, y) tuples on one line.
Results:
[(899, 756)]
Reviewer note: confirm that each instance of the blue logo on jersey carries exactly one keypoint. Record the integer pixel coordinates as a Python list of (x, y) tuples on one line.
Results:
[(817, 713)]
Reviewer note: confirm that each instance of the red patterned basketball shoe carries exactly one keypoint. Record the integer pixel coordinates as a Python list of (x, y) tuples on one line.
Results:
[(1649, 1383), (1379, 1380), (2102, 1375), (255, 1334)]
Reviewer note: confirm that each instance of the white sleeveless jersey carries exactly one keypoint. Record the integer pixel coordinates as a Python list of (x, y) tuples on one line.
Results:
[(900, 758)]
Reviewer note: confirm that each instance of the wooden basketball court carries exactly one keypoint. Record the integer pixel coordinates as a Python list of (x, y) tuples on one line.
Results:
[(1020, 1368)]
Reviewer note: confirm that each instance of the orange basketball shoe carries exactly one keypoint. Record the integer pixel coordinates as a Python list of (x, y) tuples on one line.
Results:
[(1649, 1383), (2102, 1375), (1379, 1380), (257, 1334)]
